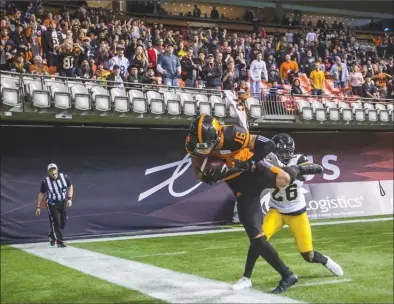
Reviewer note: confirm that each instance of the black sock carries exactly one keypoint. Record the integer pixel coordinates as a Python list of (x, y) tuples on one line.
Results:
[(269, 254), (319, 258), (253, 255)]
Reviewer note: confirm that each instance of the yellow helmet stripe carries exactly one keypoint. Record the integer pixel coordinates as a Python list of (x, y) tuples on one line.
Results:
[(199, 131)]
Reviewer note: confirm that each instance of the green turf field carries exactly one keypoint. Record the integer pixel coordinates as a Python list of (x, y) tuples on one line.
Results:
[(29, 279), (364, 250)]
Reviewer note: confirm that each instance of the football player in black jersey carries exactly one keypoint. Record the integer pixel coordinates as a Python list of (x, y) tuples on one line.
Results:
[(247, 173)]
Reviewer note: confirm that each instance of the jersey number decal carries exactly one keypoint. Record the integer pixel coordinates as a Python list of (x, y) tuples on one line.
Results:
[(68, 63), (291, 193), (240, 137)]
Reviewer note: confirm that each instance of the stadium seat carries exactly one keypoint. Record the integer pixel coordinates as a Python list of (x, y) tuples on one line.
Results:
[(120, 100), (38, 94), (156, 102), (254, 107), (382, 112), (138, 101), (101, 98), (319, 110), (218, 105), (188, 104), (306, 109), (81, 96), (60, 94), (9, 92), (203, 104), (172, 102), (332, 110), (390, 109), (358, 111), (371, 112), (345, 110), (231, 110)]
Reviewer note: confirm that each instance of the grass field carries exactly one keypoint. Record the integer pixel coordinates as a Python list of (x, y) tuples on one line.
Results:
[(364, 250)]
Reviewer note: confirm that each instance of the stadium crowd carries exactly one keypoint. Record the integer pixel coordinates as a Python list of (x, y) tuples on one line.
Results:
[(94, 44)]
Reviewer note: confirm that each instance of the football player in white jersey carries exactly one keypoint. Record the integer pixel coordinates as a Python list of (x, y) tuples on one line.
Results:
[(287, 206)]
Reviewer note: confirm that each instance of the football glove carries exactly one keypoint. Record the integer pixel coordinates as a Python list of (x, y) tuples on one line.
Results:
[(214, 175)]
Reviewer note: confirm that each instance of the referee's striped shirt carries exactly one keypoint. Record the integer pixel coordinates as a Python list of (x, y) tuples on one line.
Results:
[(56, 190)]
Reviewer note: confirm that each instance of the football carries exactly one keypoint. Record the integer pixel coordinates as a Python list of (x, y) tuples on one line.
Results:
[(211, 163)]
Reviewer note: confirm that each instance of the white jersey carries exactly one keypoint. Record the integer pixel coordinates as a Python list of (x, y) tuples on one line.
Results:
[(122, 62), (258, 69), (290, 199)]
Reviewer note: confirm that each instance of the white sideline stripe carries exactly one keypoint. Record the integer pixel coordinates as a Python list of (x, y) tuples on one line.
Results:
[(157, 254), (159, 235), (160, 283), (322, 283)]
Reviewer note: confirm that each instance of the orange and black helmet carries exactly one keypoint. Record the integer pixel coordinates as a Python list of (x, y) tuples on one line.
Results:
[(204, 133)]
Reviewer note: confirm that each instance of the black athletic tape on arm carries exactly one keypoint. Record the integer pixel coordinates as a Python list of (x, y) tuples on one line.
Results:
[(293, 171), (262, 147)]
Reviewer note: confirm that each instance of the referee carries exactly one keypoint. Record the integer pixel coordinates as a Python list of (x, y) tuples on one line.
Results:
[(59, 192)]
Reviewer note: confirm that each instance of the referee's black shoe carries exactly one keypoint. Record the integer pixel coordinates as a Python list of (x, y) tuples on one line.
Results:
[(285, 284), (61, 245)]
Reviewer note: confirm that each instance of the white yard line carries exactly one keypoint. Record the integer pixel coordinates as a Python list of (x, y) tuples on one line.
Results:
[(159, 235), (322, 283), (158, 254), (160, 283)]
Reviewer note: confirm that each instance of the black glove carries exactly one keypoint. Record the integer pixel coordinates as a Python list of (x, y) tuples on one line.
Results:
[(243, 165), (215, 175)]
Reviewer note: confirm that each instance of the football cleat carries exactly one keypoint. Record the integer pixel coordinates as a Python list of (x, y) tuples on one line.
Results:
[(309, 169), (285, 284), (243, 283), (333, 267)]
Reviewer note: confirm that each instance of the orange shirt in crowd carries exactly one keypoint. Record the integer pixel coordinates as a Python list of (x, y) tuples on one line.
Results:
[(286, 66), (381, 79), (40, 69)]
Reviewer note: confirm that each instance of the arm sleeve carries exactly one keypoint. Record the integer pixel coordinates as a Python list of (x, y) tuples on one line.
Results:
[(262, 147), (43, 187)]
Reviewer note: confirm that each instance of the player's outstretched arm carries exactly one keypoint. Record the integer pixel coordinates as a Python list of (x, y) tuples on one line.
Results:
[(196, 165)]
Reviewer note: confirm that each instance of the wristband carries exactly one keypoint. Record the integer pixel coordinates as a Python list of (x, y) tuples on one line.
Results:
[(70, 198), (38, 207)]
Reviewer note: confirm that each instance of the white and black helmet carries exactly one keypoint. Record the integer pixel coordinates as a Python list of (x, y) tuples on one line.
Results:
[(285, 147)]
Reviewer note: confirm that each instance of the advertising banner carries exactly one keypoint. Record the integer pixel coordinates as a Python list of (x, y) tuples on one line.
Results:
[(132, 179)]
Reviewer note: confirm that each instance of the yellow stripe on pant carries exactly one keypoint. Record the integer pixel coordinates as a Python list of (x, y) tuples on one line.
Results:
[(298, 224)]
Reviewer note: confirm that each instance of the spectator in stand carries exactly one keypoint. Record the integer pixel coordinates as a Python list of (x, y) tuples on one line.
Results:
[(212, 74), (369, 88), (242, 90), (84, 70), (380, 80), (389, 69), (274, 75), (258, 71), (241, 67), (115, 80), (38, 67), (356, 81), (150, 77), (101, 73), (296, 87), (308, 63), (120, 60), (133, 74), (214, 13), (339, 73), (288, 69), (317, 80), (230, 76), (196, 12), (189, 68), (169, 66)]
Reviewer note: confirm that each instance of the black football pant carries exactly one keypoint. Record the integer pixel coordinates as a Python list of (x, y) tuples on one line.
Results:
[(57, 220)]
